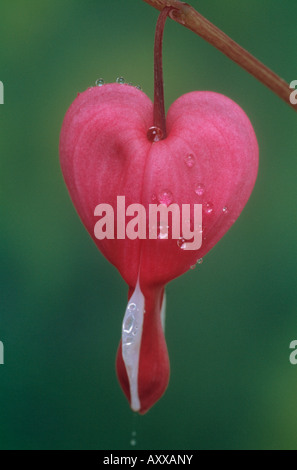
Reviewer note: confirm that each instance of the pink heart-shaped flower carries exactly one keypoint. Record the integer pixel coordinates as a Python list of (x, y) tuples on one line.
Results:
[(209, 157)]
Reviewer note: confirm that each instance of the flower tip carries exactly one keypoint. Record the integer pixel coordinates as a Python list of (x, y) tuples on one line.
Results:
[(142, 360), (153, 382)]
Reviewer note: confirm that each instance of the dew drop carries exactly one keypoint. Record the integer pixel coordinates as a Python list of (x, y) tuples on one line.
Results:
[(132, 307), (138, 87), (163, 234), (199, 261), (100, 82), (154, 134), (129, 324), (225, 210), (181, 243), (208, 208), (121, 80), (190, 161), (165, 197), (200, 188), (128, 342)]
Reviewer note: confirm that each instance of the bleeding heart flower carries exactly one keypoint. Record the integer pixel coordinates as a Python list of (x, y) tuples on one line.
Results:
[(110, 146)]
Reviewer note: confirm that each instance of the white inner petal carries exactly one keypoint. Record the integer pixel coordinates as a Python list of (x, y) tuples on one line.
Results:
[(163, 312), (131, 342)]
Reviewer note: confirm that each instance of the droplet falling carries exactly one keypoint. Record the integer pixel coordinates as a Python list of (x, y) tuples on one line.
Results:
[(199, 190), (154, 134), (121, 80), (165, 197), (100, 82), (190, 161), (133, 441)]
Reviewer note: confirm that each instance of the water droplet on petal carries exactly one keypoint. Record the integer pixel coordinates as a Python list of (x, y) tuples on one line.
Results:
[(132, 307), (199, 261), (200, 188), (225, 210), (100, 82), (165, 197), (121, 80), (129, 324), (163, 234), (154, 134), (208, 208), (190, 161), (181, 243), (138, 87)]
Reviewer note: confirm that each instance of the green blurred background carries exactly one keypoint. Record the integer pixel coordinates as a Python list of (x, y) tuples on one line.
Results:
[(229, 322)]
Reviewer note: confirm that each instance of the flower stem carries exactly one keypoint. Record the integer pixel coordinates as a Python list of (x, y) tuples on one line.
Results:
[(191, 19), (159, 104)]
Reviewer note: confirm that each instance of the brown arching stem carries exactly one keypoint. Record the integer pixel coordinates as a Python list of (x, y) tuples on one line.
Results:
[(187, 16)]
